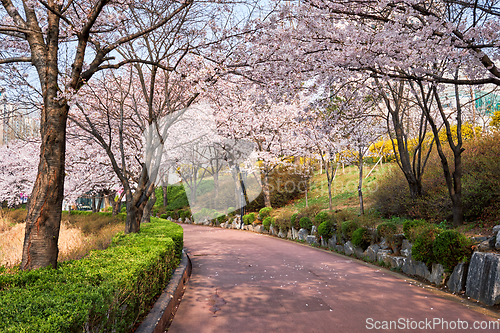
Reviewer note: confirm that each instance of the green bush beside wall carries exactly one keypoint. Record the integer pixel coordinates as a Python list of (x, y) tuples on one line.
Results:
[(104, 292)]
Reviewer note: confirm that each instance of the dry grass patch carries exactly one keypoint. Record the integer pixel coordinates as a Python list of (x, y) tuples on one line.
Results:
[(78, 236)]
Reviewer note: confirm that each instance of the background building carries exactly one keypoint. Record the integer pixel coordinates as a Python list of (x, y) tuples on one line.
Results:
[(16, 122)]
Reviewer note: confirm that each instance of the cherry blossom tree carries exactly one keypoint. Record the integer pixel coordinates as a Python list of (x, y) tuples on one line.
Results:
[(86, 166), (363, 135), (18, 170), (341, 124), (448, 42), (67, 42), (256, 113)]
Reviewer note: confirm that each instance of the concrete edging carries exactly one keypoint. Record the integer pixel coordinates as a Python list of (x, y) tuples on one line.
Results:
[(157, 319)]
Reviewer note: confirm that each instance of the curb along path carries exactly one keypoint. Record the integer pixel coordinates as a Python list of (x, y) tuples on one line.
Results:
[(247, 282), (159, 316)]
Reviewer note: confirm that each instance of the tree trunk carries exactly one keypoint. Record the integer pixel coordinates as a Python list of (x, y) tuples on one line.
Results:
[(99, 202), (456, 195), (93, 204), (136, 203), (307, 203), (453, 179), (266, 191), (330, 207), (330, 176), (413, 172), (45, 206), (360, 185), (43, 219), (135, 208), (107, 200), (165, 195), (146, 215)]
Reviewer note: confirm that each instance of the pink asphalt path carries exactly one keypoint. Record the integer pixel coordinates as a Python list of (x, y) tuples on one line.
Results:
[(265, 284)]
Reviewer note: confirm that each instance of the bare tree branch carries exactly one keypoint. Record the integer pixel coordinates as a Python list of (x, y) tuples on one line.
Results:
[(12, 60)]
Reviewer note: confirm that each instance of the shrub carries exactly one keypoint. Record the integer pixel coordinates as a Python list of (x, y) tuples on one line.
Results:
[(267, 222), (422, 247), (387, 230), (246, 219), (164, 216), (265, 212), (411, 227), (305, 223), (321, 217), (106, 291), (222, 218), (183, 214), (347, 228), (326, 229), (450, 248), (251, 218), (293, 221), (361, 237)]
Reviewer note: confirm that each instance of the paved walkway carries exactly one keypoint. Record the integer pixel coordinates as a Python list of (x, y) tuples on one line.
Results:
[(247, 282)]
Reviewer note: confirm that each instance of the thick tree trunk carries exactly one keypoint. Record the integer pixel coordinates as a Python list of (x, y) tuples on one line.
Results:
[(266, 190), (43, 220), (136, 203), (45, 206), (146, 215), (135, 207)]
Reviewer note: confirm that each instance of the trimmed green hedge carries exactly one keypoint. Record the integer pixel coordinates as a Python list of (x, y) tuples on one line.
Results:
[(104, 292)]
